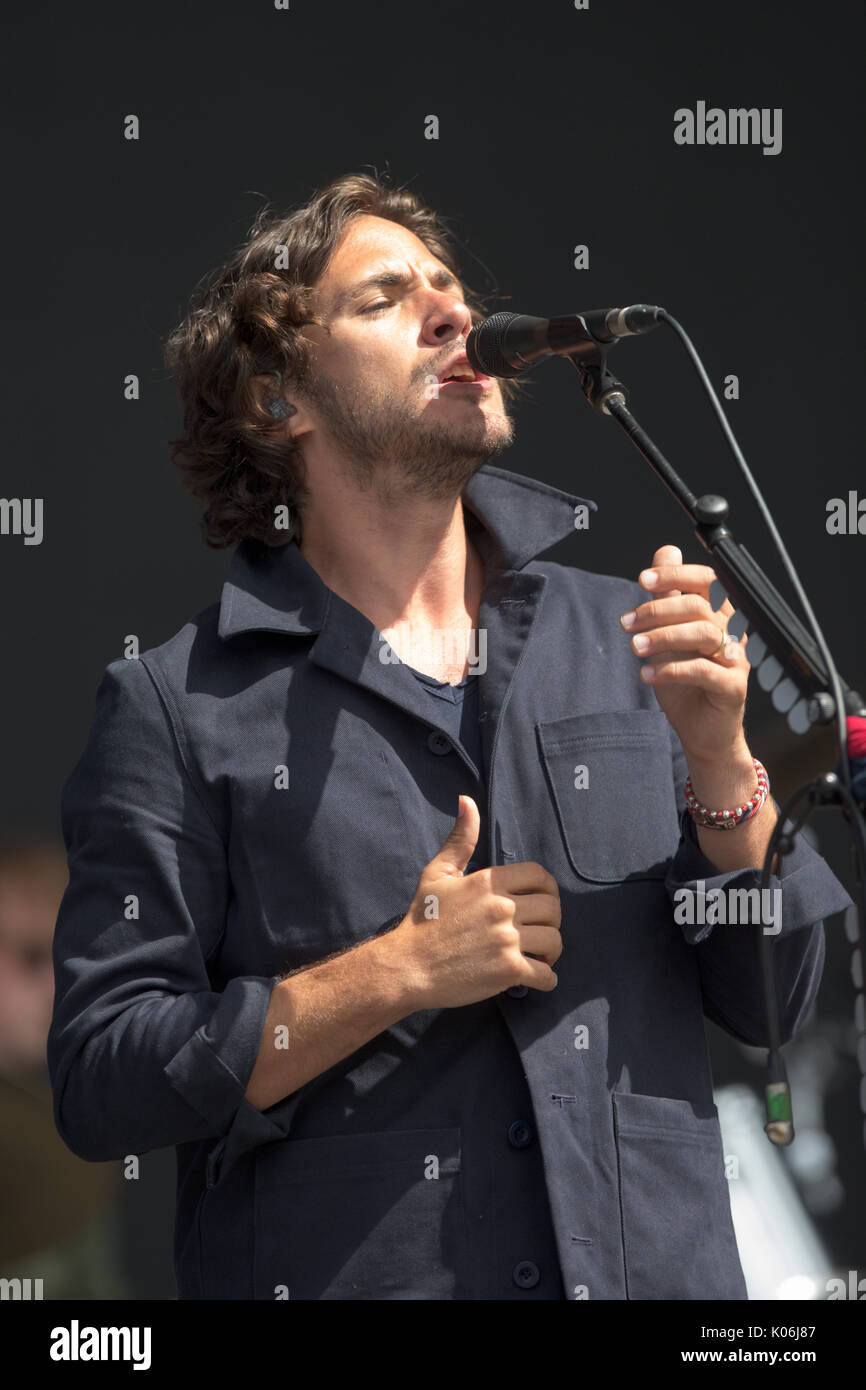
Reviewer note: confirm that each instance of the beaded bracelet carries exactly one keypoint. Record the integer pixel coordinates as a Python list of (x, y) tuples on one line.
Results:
[(729, 820)]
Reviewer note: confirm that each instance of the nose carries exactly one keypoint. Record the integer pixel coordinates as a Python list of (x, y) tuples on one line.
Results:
[(447, 318)]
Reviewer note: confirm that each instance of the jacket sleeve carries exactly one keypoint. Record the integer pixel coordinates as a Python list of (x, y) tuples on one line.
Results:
[(727, 954), (142, 1051)]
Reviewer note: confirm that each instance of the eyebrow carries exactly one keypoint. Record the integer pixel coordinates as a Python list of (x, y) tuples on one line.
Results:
[(384, 279)]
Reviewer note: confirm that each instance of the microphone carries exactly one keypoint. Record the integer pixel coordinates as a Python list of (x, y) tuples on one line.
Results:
[(506, 344)]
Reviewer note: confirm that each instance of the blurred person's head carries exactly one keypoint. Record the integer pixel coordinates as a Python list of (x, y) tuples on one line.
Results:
[(33, 878)]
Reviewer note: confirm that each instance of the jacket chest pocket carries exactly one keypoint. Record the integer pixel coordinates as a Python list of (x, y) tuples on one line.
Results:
[(611, 780)]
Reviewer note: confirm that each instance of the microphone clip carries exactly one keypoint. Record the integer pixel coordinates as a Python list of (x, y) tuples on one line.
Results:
[(599, 384)]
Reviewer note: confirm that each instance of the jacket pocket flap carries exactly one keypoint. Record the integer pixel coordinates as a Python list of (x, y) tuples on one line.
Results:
[(664, 1117), (611, 780), (385, 1151)]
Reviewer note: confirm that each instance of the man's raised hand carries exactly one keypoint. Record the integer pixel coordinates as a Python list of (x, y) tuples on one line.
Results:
[(467, 937)]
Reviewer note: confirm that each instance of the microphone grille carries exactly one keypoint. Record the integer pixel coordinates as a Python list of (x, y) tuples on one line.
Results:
[(483, 346)]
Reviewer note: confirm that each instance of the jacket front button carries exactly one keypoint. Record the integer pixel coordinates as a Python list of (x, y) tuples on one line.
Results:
[(438, 743), (526, 1275), (520, 1133), (518, 991)]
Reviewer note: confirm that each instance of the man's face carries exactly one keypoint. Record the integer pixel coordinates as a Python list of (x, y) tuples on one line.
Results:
[(396, 322)]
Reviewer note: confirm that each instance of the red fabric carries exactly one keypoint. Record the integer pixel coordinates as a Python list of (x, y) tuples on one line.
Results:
[(856, 736)]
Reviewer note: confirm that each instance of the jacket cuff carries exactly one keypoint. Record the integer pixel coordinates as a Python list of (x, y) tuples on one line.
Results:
[(212, 1070), (810, 891)]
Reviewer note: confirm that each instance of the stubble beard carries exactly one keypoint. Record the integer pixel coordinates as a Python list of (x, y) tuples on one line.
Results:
[(388, 449)]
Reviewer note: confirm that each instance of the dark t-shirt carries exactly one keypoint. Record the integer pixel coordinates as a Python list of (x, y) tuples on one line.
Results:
[(460, 710)]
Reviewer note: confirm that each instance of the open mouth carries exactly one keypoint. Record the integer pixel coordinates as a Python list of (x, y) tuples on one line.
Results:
[(463, 375)]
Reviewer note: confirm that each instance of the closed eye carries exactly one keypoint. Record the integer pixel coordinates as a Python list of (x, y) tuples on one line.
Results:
[(380, 304)]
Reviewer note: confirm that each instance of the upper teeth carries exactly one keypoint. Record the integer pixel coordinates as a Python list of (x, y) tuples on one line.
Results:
[(463, 372)]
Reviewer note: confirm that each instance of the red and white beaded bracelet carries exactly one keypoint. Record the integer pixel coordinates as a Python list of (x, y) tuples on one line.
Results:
[(729, 820)]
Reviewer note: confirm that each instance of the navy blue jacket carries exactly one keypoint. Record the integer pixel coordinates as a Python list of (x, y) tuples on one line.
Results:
[(534, 1145)]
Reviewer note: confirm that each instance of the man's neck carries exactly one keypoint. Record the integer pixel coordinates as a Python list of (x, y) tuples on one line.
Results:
[(396, 564), (408, 565)]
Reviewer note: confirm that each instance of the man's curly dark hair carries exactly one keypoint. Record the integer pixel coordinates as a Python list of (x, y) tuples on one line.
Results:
[(247, 321)]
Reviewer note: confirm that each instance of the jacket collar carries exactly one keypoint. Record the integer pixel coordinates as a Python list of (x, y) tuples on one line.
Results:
[(275, 589)]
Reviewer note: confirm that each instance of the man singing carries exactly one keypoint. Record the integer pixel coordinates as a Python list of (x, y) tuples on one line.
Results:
[(373, 864)]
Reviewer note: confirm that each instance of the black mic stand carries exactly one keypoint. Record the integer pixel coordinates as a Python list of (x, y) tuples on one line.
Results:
[(782, 648)]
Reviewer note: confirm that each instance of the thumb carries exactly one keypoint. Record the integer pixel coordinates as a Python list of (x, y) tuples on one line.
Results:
[(460, 844)]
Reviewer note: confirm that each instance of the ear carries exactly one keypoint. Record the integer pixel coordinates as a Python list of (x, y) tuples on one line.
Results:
[(290, 420)]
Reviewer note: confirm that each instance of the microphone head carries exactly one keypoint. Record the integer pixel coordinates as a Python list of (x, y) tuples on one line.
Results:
[(484, 347)]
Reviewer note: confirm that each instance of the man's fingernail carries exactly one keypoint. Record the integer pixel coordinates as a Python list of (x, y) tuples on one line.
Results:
[(628, 618), (641, 642), (648, 578), (648, 673)]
